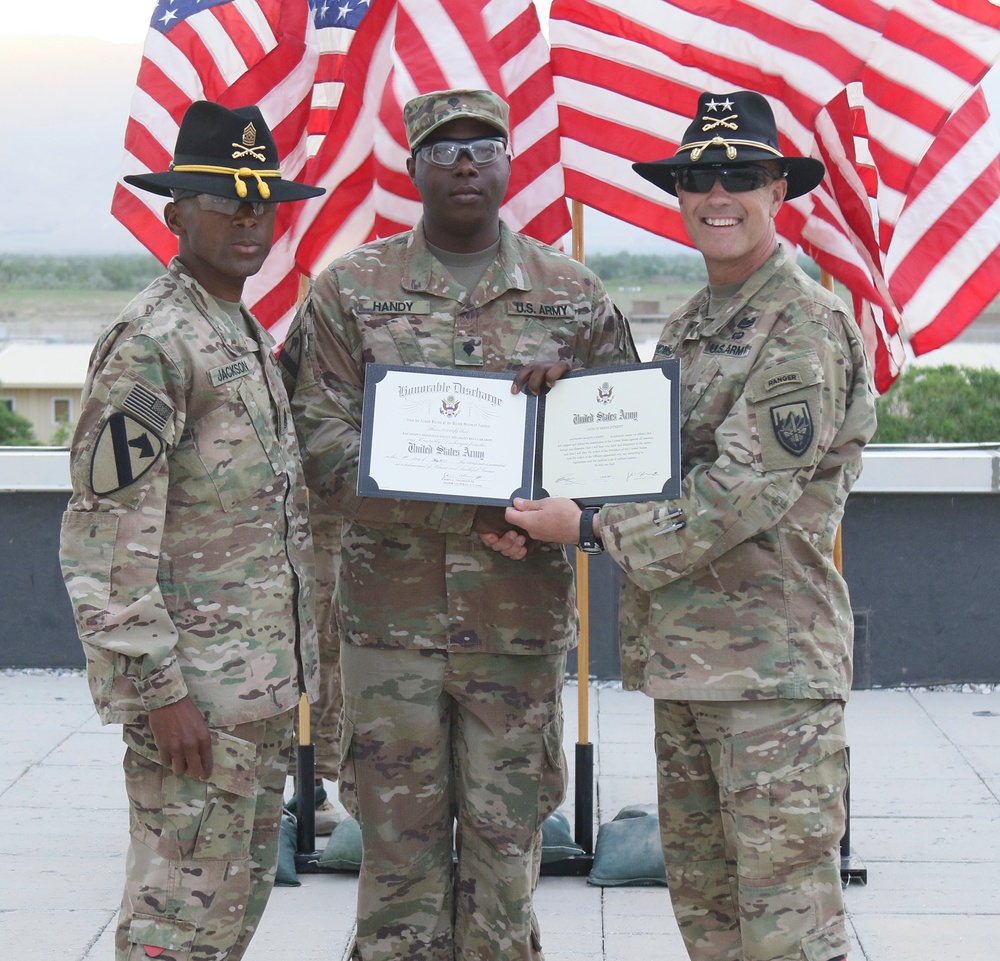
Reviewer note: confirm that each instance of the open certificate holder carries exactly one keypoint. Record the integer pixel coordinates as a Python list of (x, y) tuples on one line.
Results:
[(600, 435)]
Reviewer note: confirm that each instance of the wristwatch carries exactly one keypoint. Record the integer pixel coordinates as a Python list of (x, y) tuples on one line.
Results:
[(590, 543)]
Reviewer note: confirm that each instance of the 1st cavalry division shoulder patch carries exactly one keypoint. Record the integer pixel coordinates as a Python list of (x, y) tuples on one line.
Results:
[(126, 449)]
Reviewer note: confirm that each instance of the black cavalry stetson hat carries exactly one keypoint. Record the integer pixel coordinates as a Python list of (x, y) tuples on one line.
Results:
[(227, 153), (732, 128)]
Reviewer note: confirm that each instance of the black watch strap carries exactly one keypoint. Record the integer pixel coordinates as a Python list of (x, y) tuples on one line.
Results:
[(590, 543)]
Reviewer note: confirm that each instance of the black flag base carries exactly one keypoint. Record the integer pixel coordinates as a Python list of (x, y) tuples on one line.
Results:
[(306, 855), (579, 865), (852, 869)]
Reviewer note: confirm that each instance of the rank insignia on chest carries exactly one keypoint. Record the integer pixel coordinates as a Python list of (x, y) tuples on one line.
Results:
[(126, 449), (793, 426)]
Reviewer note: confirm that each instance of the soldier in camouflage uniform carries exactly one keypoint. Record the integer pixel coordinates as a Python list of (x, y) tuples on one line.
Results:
[(734, 615), (452, 655), (185, 551)]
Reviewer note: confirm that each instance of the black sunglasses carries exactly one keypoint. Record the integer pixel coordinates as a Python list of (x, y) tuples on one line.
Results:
[(735, 180)]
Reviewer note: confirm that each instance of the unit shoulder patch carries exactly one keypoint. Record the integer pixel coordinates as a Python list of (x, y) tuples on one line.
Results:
[(126, 449), (793, 426)]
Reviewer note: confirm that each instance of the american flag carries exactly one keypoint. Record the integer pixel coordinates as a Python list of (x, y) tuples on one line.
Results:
[(331, 78), (335, 25), (401, 48), (884, 93), (235, 52)]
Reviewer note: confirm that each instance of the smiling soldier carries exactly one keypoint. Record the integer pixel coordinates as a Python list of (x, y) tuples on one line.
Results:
[(735, 618)]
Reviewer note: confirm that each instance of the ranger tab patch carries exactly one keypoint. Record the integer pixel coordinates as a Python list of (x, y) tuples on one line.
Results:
[(126, 449), (793, 426)]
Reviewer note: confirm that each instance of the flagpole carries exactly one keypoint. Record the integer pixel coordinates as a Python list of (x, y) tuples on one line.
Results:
[(306, 852), (584, 798), (851, 868)]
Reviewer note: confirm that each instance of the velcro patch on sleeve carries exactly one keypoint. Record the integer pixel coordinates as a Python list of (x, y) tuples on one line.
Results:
[(152, 410)]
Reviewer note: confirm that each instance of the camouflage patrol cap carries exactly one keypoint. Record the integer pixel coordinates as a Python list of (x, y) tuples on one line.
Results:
[(424, 114)]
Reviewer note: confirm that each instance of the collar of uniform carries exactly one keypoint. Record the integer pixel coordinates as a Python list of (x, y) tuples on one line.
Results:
[(424, 273), (711, 326), (234, 340)]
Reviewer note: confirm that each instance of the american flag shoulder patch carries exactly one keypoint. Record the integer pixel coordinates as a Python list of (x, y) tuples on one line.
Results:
[(153, 411)]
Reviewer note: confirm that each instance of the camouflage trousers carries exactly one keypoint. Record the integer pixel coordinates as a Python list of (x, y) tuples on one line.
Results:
[(202, 854), (751, 805), (450, 753), (324, 712)]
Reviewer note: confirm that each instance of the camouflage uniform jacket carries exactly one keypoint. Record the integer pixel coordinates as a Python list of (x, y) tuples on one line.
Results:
[(745, 601), (413, 574), (186, 542)]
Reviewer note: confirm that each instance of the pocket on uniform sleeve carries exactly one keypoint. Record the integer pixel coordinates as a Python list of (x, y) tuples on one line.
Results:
[(786, 400), (86, 552)]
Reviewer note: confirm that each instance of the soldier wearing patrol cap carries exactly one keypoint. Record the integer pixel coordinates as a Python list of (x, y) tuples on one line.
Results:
[(452, 655), (734, 617), (185, 550)]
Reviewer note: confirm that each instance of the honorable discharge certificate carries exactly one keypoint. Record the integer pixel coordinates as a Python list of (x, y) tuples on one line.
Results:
[(600, 435)]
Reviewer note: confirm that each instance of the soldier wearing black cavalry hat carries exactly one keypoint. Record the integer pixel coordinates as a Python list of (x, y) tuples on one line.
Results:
[(185, 549), (734, 617)]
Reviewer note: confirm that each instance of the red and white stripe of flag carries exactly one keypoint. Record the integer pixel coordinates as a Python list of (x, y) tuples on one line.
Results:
[(406, 47), (627, 77)]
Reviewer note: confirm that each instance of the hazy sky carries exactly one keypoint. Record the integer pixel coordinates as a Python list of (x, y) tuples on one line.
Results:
[(126, 21), (120, 21)]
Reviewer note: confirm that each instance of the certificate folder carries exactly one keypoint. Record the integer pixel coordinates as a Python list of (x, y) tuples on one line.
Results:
[(600, 435)]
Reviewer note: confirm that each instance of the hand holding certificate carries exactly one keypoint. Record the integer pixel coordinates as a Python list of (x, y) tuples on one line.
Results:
[(600, 435)]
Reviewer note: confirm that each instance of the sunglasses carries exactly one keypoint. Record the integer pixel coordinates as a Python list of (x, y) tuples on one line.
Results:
[(734, 180), (229, 206), (446, 153)]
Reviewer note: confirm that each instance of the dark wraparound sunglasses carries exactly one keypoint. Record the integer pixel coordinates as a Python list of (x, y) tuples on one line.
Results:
[(735, 180)]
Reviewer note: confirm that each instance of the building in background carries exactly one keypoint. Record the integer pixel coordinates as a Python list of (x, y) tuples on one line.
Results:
[(42, 383)]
